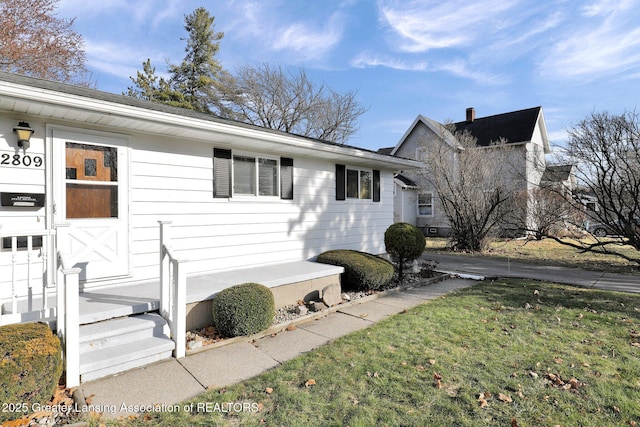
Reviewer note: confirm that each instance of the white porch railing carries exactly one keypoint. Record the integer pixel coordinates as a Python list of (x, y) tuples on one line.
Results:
[(68, 318), (20, 250), (173, 290)]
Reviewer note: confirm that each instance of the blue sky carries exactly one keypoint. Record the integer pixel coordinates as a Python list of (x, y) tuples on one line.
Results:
[(404, 58)]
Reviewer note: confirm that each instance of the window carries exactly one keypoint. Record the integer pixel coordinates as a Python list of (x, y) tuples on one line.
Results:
[(425, 204), (357, 184), (251, 175), (91, 181)]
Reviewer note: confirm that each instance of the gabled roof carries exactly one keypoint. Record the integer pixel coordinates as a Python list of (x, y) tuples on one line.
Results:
[(514, 127), (51, 100), (557, 173)]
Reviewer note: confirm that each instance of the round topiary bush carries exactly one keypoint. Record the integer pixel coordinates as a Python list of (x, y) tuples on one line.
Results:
[(30, 367), (243, 309), (404, 242), (362, 271)]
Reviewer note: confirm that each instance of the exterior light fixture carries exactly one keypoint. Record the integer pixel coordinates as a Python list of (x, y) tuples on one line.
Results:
[(24, 133)]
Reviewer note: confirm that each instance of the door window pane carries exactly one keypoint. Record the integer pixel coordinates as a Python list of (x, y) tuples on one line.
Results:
[(91, 181)]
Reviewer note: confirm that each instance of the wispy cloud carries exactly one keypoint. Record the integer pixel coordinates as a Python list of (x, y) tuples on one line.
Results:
[(458, 67), (605, 41), (153, 11), (423, 25), (307, 40)]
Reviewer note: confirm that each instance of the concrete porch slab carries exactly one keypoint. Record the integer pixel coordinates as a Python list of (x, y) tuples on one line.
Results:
[(139, 297)]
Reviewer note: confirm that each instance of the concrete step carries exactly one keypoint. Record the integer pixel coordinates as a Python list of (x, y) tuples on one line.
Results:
[(112, 360), (120, 330), (123, 343)]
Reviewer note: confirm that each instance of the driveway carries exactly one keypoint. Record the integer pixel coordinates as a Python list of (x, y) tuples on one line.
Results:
[(491, 267)]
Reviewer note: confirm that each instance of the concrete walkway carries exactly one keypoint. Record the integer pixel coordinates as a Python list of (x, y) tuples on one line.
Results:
[(169, 382), (492, 267)]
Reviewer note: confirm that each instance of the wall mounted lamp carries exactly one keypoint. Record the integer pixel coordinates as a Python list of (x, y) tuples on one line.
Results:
[(24, 133)]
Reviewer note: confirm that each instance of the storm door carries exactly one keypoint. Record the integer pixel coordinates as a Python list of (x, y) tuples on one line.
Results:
[(91, 187)]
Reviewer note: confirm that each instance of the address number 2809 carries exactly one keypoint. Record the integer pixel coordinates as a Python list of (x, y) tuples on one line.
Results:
[(20, 160)]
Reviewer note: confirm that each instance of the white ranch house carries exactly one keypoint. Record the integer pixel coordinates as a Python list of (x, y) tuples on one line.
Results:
[(117, 208)]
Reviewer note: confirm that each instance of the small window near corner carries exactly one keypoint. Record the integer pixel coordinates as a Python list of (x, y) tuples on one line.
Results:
[(425, 204)]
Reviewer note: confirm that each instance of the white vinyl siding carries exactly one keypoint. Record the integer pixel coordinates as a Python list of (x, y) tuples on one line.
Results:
[(173, 182)]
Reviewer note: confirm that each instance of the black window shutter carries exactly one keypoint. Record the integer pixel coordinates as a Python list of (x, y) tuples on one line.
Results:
[(221, 173), (376, 185), (286, 178), (340, 182)]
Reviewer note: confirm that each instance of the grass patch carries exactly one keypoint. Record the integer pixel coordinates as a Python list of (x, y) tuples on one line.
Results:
[(550, 252), (501, 341)]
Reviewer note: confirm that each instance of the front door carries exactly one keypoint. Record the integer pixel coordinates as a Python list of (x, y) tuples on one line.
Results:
[(92, 199)]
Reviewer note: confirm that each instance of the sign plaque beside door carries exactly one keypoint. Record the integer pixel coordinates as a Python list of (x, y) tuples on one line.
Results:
[(22, 200)]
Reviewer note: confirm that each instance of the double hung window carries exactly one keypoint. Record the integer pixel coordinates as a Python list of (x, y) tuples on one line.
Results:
[(239, 174)]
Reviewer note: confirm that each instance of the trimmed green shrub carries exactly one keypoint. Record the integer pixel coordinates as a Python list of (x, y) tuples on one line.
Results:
[(243, 309), (30, 367), (405, 243), (362, 271)]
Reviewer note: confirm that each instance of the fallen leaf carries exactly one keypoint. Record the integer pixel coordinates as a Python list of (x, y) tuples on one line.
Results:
[(432, 362), (291, 328), (268, 390), (483, 402), (505, 398), (558, 360), (420, 367), (635, 344), (310, 382), (514, 422), (438, 380), (533, 374), (586, 365)]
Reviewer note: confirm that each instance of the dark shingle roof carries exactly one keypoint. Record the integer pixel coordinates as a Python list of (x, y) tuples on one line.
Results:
[(386, 150), (516, 126), (406, 181)]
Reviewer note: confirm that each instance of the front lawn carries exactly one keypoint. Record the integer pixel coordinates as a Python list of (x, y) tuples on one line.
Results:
[(508, 353), (550, 252)]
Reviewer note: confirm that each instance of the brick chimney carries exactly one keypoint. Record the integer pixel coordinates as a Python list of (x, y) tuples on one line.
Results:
[(471, 114)]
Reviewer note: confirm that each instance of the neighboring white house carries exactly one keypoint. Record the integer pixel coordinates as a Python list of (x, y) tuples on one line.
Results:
[(102, 170), (524, 131)]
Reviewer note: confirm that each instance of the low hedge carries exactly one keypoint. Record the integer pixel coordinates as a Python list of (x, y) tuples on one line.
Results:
[(30, 368), (362, 271), (243, 309)]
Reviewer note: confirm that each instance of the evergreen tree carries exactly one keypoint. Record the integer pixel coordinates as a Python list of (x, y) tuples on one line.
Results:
[(195, 76), (192, 84)]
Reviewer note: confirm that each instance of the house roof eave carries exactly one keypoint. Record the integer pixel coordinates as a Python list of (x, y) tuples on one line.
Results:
[(49, 100)]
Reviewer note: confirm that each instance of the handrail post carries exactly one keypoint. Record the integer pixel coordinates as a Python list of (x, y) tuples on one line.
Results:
[(180, 310), (165, 299), (72, 326)]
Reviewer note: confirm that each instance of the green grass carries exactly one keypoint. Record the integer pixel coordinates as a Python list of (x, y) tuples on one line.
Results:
[(500, 338), (550, 252)]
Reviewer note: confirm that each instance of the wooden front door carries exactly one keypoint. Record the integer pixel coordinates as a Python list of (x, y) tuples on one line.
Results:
[(92, 198)]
